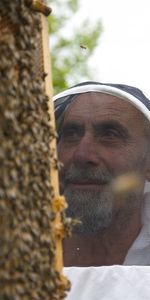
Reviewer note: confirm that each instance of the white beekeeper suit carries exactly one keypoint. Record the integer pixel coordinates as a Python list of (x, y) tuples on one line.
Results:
[(131, 281)]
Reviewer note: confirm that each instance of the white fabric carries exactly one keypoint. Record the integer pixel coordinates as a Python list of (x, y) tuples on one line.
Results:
[(109, 283), (107, 90), (129, 282)]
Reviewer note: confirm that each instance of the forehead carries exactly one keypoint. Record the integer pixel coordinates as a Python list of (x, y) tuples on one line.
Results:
[(96, 106)]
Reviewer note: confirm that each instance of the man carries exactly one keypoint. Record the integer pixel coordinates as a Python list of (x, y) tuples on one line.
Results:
[(104, 133)]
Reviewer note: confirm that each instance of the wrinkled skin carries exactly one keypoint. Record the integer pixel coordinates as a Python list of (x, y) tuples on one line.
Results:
[(102, 138)]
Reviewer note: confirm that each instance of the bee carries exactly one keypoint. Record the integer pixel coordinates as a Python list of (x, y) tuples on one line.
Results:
[(39, 6), (83, 46), (126, 183)]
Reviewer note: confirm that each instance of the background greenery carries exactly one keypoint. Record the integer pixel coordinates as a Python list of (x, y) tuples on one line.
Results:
[(72, 44)]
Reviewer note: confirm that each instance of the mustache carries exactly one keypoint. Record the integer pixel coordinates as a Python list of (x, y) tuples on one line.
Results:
[(93, 174)]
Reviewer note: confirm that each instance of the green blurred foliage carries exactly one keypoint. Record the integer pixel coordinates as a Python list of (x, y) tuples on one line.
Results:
[(72, 44)]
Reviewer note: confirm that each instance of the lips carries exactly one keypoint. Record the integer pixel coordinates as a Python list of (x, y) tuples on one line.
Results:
[(87, 183), (87, 180)]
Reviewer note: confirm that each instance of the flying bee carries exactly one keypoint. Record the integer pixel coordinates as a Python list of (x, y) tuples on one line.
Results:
[(83, 46), (126, 183)]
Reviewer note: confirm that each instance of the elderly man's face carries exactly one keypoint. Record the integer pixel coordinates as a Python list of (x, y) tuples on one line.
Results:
[(102, 137)]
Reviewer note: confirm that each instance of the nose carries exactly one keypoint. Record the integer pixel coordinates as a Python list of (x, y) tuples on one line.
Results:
[(86, 152)]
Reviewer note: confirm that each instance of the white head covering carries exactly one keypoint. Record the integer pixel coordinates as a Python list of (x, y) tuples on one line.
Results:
[(127, 93)]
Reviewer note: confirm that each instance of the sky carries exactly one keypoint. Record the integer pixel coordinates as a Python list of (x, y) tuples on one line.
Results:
[(123, 53)]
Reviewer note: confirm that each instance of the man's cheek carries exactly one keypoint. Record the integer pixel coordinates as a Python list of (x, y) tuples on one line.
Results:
[(61, 180), (119, 164), (65, 160)]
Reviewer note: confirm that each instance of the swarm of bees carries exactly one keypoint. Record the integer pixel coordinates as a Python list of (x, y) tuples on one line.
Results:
[(27, 255)]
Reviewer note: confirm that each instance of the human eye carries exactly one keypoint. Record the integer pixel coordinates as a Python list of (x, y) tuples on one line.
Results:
[(71, 132), (111, 133)]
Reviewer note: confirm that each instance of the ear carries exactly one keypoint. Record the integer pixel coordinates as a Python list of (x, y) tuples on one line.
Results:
[(147, 173), (148, 176)]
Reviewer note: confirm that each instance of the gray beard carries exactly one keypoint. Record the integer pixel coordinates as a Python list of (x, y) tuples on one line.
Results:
[(92, 208), (96, 208)]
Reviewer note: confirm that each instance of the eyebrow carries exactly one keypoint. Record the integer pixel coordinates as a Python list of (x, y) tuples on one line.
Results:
[(112, 124), (72, 124), (98, 127)]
